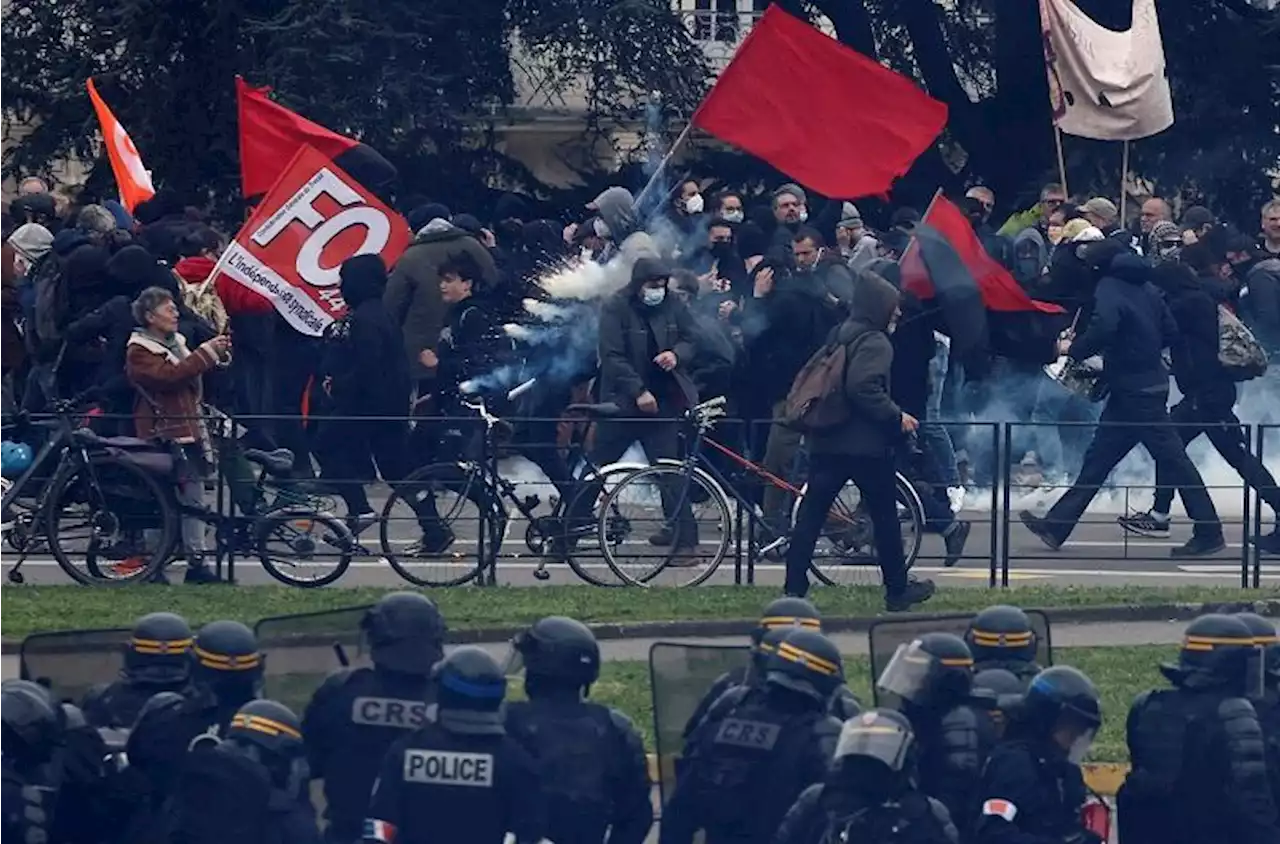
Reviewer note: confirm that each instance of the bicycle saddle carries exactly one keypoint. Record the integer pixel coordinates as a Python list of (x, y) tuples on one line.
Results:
[(276, 462), (603, 410)]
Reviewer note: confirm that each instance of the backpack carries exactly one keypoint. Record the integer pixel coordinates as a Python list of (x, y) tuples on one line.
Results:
[(816, 401), (51, 301), (1239, 352)]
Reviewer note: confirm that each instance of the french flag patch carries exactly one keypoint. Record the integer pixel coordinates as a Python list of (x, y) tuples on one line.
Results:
[(1001, 809), (376, 830)]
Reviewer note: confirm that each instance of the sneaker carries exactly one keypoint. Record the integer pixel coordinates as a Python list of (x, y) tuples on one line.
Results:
[(1200, 546), (200, 574), (662, 538), (129, 566), (665, 538), (955, 495), (1145, 524), (361, 522), (915, 592), (1269, 543), (954, 538), (1040, 529), (433, 543)]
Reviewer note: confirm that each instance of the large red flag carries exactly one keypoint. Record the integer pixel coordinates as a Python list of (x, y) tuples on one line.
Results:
[(827, 116), (271, 135)]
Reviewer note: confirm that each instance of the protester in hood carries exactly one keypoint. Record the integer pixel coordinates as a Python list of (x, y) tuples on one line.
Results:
[(167, 377), (420, 215), (1130, 327), (857, 246), (1164, 241), (161, 223), (12, 351), (712, 371), (1196, 222), (34, 208), (790, 211), (729, 206), (31, 242), (687, 206), (1215, 267), (979, 202), (1260, 308), (1031, 246), (365, 375), (811, 258), (413, 291), (620, 222)]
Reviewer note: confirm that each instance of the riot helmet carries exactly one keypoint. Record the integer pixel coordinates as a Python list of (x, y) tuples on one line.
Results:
[(1218, 651), (156, 653), (1265, 637), (806, 662), (269, 733), (1062, 705), (31, 723), (997, 691), (405, 631), (470, 688), (876, 754), (1001, 633), (935, 671), (227, 661), (555, 652), (785, 613)]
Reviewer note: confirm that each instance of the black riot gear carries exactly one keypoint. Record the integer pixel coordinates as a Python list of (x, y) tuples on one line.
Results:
[(1061, 696), (869, 794), (1199, 750), (1267, 705), (1265, 636), (405, 632), (156, 653), (787, 612), (934, 670), (1002, 637), (557, 651), (995, 691), (227, 662), (268, 725), (591, 759), (31, 722), (470, 688), (806, 662)]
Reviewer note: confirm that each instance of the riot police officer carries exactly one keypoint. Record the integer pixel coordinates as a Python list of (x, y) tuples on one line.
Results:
[(1002, 637), (226, 673), (932, 680), (745, 770), (357, 714), (996, 690), (31, 734), (155, 660), (459, 778), (248, 787), (1032, 790), (870, 794), (1198, 754), (590, 757), (1267, 704)]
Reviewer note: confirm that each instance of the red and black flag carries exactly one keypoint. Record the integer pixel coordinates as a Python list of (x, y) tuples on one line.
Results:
[(271, 135)]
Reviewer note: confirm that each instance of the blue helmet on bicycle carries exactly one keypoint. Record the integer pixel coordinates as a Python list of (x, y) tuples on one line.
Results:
[(15, 458)]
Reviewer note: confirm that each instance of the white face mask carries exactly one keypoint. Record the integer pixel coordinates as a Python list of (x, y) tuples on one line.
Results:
[(733, 216), (693, 204), (653, 296), (804, 215), (1080, 747)]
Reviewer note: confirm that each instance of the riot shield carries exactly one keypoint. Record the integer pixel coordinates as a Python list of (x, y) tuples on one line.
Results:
[(302, 650), (680, 675), (887, 634), (70, 662)]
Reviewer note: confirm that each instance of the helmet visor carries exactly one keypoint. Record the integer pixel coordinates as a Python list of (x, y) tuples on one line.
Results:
[(876, 740), (1081, 746), (1255, 676), (908, 673)]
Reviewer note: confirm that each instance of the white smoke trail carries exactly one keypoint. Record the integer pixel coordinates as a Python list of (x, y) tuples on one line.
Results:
[(546, 311), (586, 281)]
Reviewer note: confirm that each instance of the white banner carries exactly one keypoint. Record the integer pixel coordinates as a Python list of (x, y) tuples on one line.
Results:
[(1105, 84)]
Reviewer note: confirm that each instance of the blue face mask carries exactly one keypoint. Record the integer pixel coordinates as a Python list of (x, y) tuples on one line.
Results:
[(653, 296)]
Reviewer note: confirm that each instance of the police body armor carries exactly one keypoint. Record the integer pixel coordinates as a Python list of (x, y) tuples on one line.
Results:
[(349, 726), (28, 809), (576, 746), (1023, 670), (915, 819), (953, 750), (118, 704), (1165, 800)]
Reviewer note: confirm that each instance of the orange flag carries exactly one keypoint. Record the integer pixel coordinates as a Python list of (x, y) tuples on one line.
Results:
[(132, 178)]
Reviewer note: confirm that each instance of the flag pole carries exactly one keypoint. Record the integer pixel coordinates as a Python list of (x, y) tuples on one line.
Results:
[(1124, 178), (912, 242), (662, 165), (1062, 160)]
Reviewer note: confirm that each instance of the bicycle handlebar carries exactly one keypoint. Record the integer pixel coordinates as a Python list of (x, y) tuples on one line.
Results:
[(482, 409)]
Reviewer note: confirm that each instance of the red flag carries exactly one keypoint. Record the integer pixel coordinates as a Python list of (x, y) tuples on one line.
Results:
[(1000, 290), (315, 217), (270, 136), (827, 116), (132, 177)]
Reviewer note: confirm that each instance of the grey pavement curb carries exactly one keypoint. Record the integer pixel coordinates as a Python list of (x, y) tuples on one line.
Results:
[(712, 628)]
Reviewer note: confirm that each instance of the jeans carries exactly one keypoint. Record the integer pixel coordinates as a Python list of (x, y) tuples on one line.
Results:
[(875, 479), (1143, 420), (934, 436)]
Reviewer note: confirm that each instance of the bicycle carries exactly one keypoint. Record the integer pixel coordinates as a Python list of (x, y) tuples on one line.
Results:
[(476, 485), (124, 506), (847, 533)]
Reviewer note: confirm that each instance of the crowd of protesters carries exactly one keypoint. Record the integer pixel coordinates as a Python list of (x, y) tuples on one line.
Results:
[(730, 295)]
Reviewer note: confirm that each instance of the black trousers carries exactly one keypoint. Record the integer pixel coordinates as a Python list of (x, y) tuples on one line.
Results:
[(1224, 431), (874, 477), (1131, 419), (659, 438)]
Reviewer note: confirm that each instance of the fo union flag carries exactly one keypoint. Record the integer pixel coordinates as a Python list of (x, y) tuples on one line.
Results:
[(314, 218)]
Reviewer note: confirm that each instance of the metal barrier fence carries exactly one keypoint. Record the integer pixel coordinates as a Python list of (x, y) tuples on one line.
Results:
[(738, 491)]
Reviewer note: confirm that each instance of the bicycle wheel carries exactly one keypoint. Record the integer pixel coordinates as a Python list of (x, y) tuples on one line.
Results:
[(632, 519), (846, 554), (446, 550), (300, 547), (114, 517), (586, 555)]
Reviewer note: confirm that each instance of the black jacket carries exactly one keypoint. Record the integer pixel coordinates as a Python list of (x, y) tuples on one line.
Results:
[(1194, 349), (782, 330), (1130, 327), (472, 344), (913, 349), (1261, 306), (631, 335), (875, 422), (365, 355)]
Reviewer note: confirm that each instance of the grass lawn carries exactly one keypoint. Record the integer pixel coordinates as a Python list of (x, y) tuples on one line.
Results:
[(1120, 673), (30, 609)]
